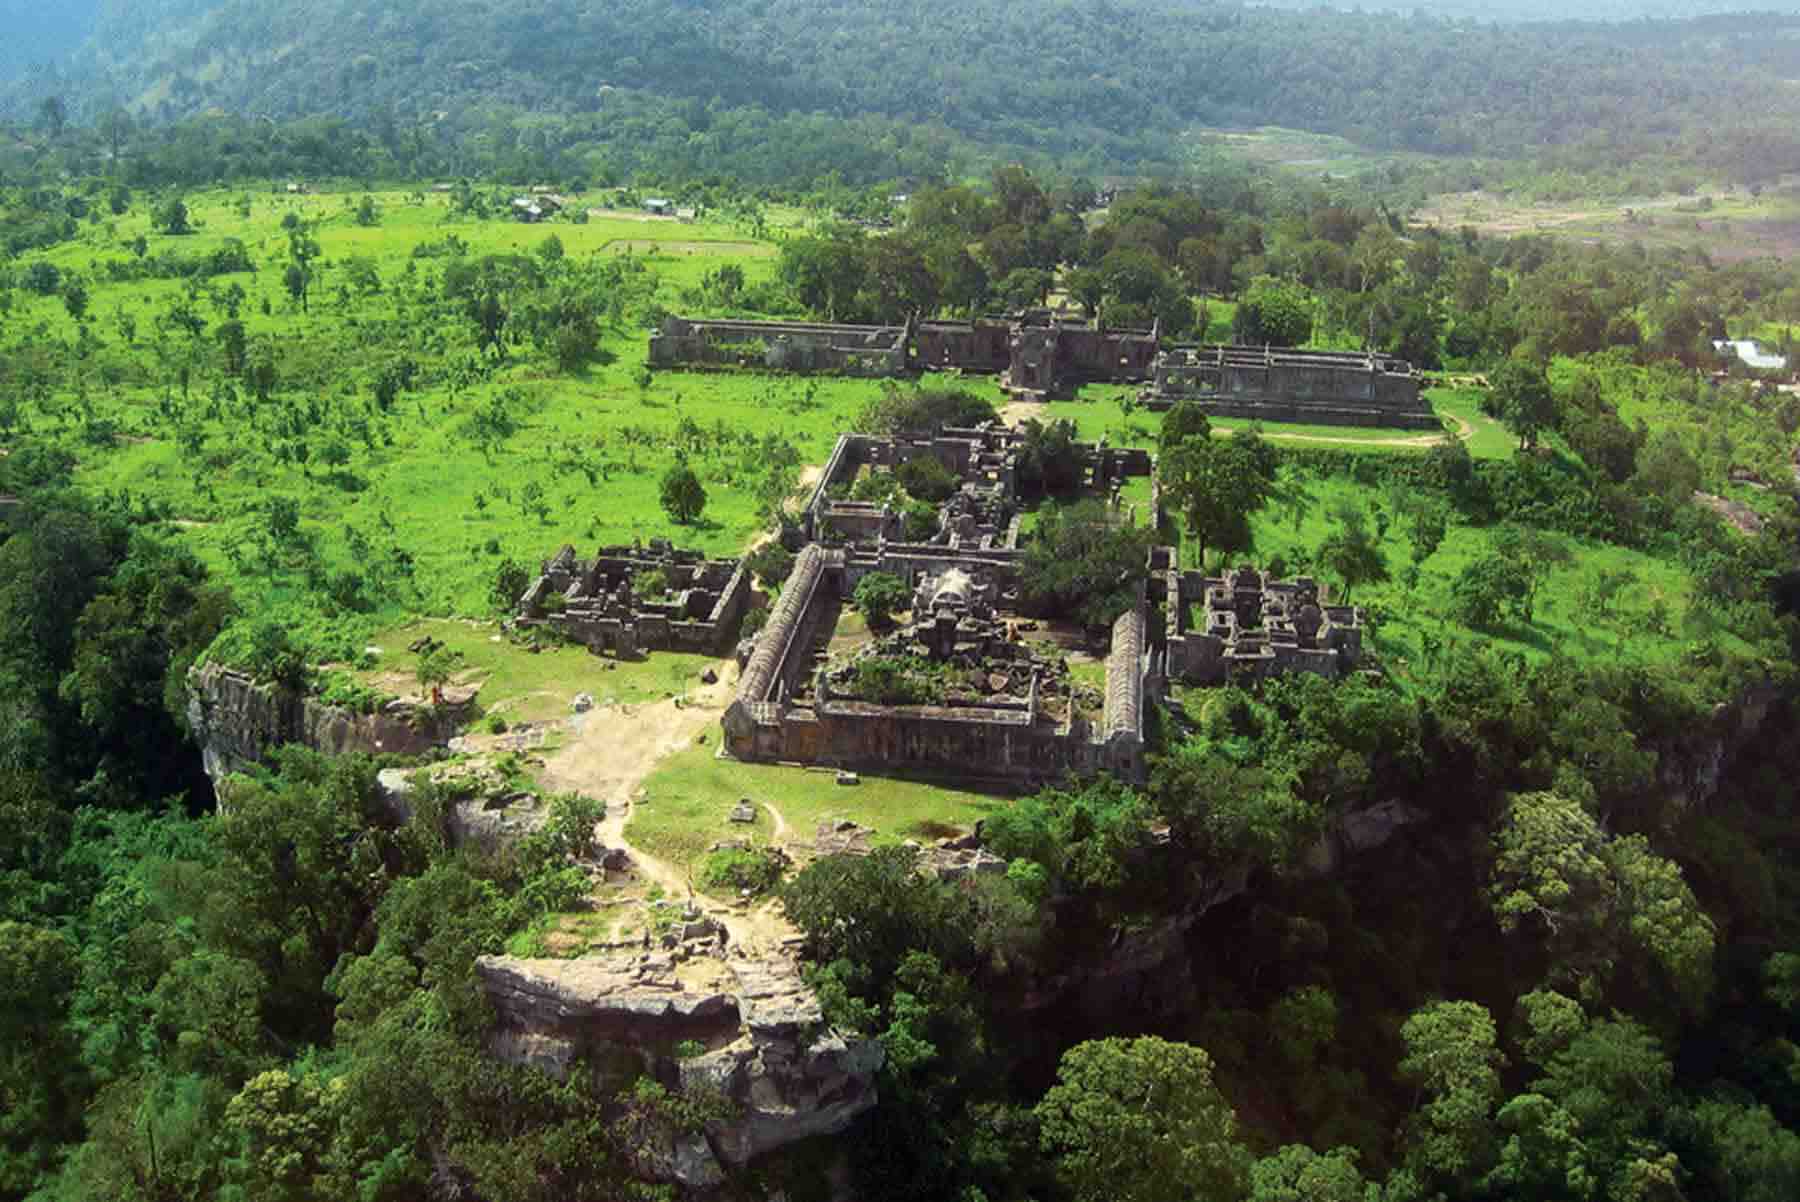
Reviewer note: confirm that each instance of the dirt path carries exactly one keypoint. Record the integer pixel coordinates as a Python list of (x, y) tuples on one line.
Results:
[(778, 836), (611, 754)]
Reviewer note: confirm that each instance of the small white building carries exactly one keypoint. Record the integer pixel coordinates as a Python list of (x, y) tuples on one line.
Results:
[(1750, 354)]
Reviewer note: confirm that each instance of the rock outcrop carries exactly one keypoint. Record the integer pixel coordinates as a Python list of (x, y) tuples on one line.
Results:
[(237, 720), (763, 1045)]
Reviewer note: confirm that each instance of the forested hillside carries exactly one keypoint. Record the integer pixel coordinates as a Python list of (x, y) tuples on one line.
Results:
[(1119, 83)]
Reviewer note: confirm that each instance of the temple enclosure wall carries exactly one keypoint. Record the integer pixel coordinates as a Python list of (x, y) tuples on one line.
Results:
[(1319, 387), (1035, 353), (1038, 354), (785, 709)]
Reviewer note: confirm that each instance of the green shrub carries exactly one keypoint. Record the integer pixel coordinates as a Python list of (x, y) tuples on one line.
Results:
[(755, 869)]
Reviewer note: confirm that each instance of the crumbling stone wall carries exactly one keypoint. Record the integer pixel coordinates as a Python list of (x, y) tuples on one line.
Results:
[(1036, 353), (783, 346), (1321, 387), (986, 460), (774, 717)]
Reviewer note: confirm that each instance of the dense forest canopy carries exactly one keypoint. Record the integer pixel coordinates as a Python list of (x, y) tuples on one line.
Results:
[(1121, 84)]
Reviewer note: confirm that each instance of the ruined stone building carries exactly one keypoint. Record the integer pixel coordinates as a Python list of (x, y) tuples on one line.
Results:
[(995, 706), (984, 459), (600, 601), (1038, 355), (1327, 388), (1035, 353), (1248, 625), (1005, 713), (795, 346)]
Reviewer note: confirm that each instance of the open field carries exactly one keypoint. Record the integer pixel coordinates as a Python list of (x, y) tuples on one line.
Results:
[(686, 801), (1647, 625), (1726, 224), (518, 684)]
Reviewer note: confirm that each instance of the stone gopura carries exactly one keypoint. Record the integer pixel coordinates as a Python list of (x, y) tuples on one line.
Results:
[(1320, 387), (1035, 353), (1251, 625)]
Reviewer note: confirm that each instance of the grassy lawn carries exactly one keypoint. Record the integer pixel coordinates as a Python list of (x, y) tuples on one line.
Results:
[(524, 686), (1111, 412), (416, 486), (690, 794), (1490, 439)]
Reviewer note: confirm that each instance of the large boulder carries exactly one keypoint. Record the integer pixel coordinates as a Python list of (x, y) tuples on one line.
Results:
[(764, 1045)]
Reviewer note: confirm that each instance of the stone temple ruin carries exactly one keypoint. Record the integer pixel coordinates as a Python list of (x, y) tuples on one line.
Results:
[(1252, 626), (1321, 387), (953, 690), (1038, 355), (600, 601), (1000, 710), (1035, 353)]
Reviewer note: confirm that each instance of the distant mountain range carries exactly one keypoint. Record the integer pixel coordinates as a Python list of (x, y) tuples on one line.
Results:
[(1123, 76)]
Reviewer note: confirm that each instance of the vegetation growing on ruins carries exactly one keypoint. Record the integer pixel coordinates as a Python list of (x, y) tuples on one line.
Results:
[(1508, 915)]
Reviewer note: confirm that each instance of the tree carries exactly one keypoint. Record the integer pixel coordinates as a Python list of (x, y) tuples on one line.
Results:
[(116, 126), (1523, 400), (683, 496), (1595, 902), (1667, 470), (1298, 1174), (1081, 563), (1453, 1056), (771, 563), (303, 248), (434, 670), (1274, 313), (1489, 587), (1140, 1120), (171, 216), (511, 579), (1217, 484), (75, 297), (283, 1126), (53, 115), (367, 212), (878, 595), (38, 973), (1049, 457), (1352, 551), (872, 910), (1184, 421)]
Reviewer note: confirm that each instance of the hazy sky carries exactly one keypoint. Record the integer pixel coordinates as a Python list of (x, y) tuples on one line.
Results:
[(36, 31)]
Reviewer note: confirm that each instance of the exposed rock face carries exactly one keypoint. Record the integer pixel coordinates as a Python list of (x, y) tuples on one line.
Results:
[(237, 720), (1689, 771), (767, 1048), (491, 819)]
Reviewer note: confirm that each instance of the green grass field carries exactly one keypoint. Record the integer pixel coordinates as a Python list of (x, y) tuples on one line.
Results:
[(686, 801), (413, 479), (1647, 626), (426, 511), (522, 685)]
